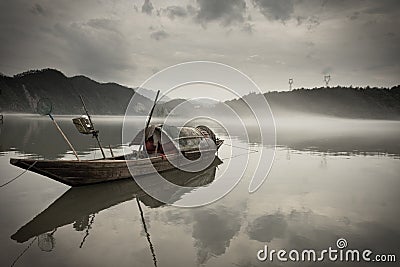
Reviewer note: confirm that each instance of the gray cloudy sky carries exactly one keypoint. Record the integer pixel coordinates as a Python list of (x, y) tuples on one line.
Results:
[(356, 41)]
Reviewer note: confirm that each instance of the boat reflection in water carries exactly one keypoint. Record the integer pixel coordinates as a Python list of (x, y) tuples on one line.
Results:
[(79, 205)]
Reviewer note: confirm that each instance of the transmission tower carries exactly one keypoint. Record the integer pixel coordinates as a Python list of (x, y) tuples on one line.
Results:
[(327, 78)]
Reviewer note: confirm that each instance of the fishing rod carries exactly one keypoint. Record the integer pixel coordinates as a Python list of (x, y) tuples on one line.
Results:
[(148, 122), (152, 109), (93, 131)]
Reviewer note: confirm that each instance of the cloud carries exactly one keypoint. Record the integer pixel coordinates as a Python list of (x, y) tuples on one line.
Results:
[(175, 11), (255, 58), (103, 24), (248, 28), (281, 10), (147, 7), (38, 10), (310, 22), (225, 11), (390, 35), (109, 36), (159, 35), (304, 229), (191, 10), (101, 55), (355, 15), (327, 70), (268, 227), (213, 232), (383, 7)]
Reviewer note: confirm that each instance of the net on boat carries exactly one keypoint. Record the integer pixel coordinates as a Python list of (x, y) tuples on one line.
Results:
[(44, 106), (46, 242)]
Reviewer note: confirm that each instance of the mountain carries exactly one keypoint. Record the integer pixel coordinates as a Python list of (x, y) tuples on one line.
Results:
[(346, 102), (208, 103), (181, 106), (150, 94), (22, 92)]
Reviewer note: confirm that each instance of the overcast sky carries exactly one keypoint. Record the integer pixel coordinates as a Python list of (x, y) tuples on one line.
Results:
[(357, 42)]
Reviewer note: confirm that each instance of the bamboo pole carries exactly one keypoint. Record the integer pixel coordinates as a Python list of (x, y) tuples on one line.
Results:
[(65, 137), (111, 151), (148, 123), (95, 133)]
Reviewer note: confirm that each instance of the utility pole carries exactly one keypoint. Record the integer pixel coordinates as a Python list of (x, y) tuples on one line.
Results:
[(290, 84)]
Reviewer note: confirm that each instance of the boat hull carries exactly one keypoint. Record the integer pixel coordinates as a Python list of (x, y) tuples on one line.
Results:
[(86, 172)]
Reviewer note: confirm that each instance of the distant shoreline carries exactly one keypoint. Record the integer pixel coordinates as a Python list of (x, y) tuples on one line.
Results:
[(282, 118), (21, 93)]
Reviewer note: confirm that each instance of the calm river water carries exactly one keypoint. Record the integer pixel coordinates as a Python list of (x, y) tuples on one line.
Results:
[(330, 179)]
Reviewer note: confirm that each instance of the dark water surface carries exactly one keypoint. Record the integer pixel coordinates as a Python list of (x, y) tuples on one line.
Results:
[(330, 179)]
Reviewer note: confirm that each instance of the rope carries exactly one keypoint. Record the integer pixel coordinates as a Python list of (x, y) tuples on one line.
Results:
[(245, 148), (23, 252), (250, 151), (19, 175), (238, 155)]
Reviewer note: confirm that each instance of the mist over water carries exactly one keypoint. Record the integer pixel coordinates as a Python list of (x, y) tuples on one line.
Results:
[(330, 134), (331, 178)]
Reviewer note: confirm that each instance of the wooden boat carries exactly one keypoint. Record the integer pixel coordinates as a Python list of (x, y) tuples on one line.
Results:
[(155, 157), (77, 204)]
